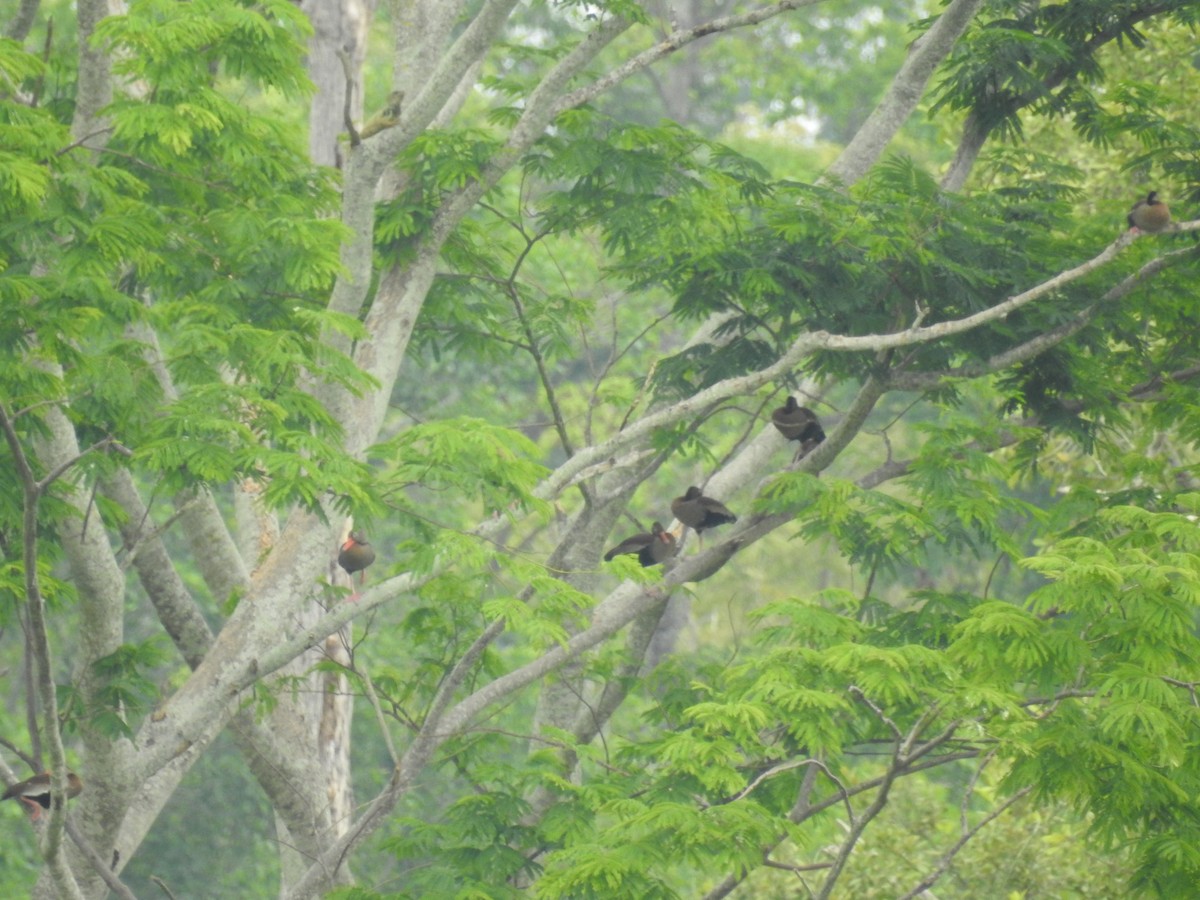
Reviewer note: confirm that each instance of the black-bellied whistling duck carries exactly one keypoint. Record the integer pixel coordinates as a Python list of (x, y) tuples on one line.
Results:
[(1150, 215), (700, 512), (798, 423), (356, 554), (35, 792), (652, 547)]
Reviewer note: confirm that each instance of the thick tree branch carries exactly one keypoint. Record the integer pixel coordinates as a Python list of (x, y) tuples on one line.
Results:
[(422, 29), (203, 526), (94, 83), (369, 160), (804, 345), (715, 557), (177, 610), (905, 92), (18, 26)]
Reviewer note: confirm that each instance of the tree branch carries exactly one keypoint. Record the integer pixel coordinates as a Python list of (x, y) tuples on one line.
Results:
[(19, 25), (905, 92), (51, 733), (95, 89), (917, 381), (101, 866), (976, 131), (944, 863)]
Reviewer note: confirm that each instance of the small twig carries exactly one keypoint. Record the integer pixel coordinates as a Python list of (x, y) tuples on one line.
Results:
[(856, 691), (348, 103), (79, 143), (948, 857), (970, 790), (1052, 703), (922, 313), (1189, 685), (987, 585), (30, 761), (369, 688), (858, 827), (804, 811), (915, 732), (789, 867), (39, 644), (163, 885), (550, 742), (776, 770)]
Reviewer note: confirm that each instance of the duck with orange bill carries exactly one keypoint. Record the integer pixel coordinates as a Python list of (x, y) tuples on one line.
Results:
[(356, 554), (35, 792)]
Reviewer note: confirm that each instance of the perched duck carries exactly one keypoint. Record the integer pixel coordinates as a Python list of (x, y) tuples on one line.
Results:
[(700, 512), (1150, 215), (356, 554), (652, 548), (798, 423), (35, 792)]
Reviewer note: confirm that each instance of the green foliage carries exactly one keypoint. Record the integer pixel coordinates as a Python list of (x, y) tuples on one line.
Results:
[(1042, 55), (1098, 715), (173, 48), (460, 458), (165, 291), (121, 690)]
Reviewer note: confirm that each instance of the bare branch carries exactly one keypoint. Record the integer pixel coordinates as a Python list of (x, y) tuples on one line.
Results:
[(59, 470), (39, 643), (18, 27), (916, 381), (905, 92), (811, 342), (787, 767), (855, 691), (677, 39), (102, 867), (514, 295), (365, 166), (348, 100), (944, 863), (177, 610), (805, 811), (380, 718), (858, 826)]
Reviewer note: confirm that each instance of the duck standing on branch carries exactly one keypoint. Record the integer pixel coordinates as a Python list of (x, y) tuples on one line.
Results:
[(355, 555), (798, 423), (652, 547), (35, 792), (1150, 215), (700, 512)]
